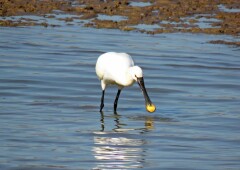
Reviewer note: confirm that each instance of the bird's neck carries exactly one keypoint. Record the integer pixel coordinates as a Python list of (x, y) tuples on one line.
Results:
[(125, 79), (129, 79)]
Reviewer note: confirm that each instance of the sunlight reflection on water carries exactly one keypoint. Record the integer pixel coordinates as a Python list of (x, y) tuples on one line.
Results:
[(118, 152)]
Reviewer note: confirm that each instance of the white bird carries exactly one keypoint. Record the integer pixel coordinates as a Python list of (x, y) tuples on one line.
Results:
[(118, 69)]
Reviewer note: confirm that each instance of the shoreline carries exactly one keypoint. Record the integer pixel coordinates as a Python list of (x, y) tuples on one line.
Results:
[(151, 17)]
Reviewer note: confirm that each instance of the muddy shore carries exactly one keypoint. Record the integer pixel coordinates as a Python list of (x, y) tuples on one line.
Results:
[(151, 17)]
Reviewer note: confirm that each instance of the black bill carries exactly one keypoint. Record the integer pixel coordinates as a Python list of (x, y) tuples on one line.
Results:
[(142, 86)]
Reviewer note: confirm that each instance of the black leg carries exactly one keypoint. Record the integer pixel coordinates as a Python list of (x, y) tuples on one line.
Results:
[(102, 101), (116, 100)]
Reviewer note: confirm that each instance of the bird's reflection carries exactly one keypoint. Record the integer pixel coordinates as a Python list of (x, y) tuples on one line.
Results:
[(118, 149), (116, 120), (102, 121), (148, 125)]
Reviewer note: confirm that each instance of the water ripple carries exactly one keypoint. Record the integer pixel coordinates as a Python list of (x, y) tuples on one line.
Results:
[(50, 96)]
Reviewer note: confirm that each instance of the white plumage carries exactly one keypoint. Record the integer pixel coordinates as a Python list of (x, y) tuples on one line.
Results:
[(118, 69)]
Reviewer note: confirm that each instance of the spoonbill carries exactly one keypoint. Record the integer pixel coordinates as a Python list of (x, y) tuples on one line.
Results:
[(118, 69)]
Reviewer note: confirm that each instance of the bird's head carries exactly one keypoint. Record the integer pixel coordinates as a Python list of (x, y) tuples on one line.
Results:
[(137, 74)]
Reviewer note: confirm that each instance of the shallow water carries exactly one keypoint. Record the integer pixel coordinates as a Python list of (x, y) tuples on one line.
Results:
[(50, 97)]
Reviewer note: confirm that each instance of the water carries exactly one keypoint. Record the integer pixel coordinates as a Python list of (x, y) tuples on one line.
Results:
[(140, 4), (225, 9), (111, 17), (50, 97), (147, 27)]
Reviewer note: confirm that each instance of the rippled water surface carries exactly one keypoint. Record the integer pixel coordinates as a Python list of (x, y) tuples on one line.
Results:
[(50, 97)]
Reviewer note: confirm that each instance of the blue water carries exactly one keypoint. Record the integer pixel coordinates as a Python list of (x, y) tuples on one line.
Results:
[(50, 97)]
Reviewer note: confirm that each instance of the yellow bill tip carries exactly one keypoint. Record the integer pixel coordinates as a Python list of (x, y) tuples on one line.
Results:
[(150, 108)]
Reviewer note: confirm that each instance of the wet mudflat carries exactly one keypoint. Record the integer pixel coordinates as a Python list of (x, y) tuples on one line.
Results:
[(50, 96), (151, 17)]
